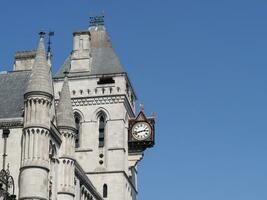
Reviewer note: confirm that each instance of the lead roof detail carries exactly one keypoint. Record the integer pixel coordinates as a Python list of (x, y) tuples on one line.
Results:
[(40, 79)]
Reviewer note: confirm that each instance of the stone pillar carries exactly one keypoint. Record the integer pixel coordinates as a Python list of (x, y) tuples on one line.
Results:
[(66, 188), (34, 169)]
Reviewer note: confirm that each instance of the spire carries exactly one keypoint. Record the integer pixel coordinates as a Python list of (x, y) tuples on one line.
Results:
[(65, 116), (40, 80)]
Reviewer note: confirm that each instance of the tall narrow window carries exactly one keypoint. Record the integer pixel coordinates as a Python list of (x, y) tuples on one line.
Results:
[(77, 118), (81, 44), (105, 191), (102, 124)]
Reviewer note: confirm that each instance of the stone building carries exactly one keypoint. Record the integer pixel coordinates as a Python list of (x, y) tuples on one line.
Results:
[(74, 135)]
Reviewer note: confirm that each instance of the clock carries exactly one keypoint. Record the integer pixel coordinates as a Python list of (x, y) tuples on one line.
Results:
[(141, 131)]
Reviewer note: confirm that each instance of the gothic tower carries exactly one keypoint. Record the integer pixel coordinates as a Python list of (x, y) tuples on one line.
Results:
[(36, 132), (103, 101)]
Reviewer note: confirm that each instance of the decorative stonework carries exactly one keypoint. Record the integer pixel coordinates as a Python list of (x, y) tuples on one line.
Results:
[(85, 101), (12, 123), (102, 100), (98, 101), (85, 194), (25, 54), (67, 185), (35, 143), (67, 133)]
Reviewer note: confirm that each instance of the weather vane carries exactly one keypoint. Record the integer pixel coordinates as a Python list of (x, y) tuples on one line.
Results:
[(50, 34)]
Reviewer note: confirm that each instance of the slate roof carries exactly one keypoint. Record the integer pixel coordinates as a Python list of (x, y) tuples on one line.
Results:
[(104, 58), (12, 89), (64, 68)]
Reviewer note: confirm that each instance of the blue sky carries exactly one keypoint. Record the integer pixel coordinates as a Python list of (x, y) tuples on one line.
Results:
[(200, 65)]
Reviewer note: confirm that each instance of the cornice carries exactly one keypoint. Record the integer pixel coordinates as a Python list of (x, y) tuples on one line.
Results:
[(101, 100), (11, 123), (117, 149), (77, 150)]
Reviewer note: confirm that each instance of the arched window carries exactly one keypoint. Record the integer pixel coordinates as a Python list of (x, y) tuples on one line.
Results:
[(105, 191), (77, 118), (102, 124)]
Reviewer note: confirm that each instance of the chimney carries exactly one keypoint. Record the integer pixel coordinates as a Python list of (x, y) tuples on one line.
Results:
[(24, 60)]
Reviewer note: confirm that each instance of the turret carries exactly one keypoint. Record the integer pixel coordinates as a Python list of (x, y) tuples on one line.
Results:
[(36, 132), (67, 128)]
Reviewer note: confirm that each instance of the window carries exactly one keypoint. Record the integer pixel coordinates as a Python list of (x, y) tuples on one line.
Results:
[(127, 89), (105, 80), (105, 191), (77, 118), (102, 124), (81, 44)]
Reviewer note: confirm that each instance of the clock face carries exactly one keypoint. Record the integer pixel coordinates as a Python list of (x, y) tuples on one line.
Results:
[(141, 131)]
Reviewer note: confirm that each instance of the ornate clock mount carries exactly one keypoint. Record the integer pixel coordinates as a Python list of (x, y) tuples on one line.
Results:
[(141, 132)]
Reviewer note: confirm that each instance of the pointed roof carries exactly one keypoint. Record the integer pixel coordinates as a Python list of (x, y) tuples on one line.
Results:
[(64, 68), (65, 117), (40, 79), (141, 116), (104, 58)]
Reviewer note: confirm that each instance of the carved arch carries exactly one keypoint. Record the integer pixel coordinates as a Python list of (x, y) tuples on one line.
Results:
[(78, 118), (98, 112), (80, 113)]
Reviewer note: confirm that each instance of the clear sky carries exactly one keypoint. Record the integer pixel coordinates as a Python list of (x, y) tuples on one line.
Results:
[(200, 65)]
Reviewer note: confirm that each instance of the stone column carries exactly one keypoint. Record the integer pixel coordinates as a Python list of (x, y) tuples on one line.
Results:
[(34, 169), (66, 188)]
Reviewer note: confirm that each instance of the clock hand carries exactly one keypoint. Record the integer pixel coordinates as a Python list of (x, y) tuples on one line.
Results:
[(137, 131), (140, 131)]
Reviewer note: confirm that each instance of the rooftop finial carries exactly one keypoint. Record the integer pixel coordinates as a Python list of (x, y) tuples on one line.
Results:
[(97, 20), (142, 106), (42, 34), (154, 115)]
